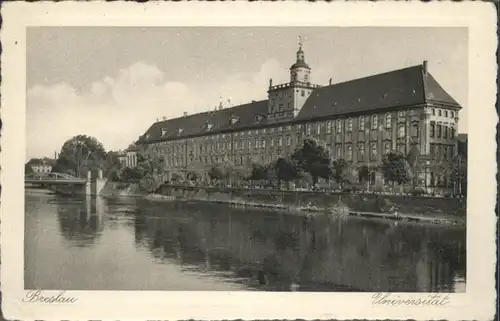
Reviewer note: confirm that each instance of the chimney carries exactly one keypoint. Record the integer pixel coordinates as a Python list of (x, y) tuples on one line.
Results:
[(164, 118), (424, 66), (330, 81), (185, 113), (270, 82)]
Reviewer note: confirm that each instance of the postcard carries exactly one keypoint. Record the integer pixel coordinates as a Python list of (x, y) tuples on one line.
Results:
[(248, 161)]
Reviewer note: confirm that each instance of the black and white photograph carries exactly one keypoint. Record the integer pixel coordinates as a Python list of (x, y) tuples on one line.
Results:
[(247, 159), (269, 159)]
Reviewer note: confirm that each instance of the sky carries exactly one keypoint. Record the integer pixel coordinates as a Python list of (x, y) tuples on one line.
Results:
[(114, 82)]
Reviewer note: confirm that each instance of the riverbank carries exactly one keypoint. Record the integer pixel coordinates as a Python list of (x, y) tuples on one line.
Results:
[(392, 207), (118, 189), (340, 210), (451, 211)]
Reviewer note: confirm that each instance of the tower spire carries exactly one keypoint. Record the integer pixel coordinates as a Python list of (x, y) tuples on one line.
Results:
[(300, 52)]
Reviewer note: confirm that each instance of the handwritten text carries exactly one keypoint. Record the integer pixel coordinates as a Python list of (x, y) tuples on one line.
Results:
[(37, 296), (390, 299)]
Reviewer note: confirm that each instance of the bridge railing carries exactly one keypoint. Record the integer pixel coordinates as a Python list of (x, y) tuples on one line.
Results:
[(52, 177)]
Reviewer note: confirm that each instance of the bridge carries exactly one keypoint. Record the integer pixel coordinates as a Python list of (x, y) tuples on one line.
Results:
[(67, 184), (53, 179)]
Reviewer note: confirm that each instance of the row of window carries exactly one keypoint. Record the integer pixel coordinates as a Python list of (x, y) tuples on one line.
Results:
[(441, 131), (436, 130), (374, 125), (444, 113), (339, 152), (441, 151)]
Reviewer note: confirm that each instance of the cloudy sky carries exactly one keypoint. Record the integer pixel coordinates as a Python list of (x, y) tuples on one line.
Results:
[(114, 82)]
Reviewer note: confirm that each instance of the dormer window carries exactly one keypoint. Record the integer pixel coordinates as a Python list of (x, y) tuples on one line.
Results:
[(258, 118), (163, 132), (234, 120), (209, 125), (181, 130), (148, 136)]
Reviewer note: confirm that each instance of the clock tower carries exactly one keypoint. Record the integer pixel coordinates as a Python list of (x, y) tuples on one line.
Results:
[(286, 100)]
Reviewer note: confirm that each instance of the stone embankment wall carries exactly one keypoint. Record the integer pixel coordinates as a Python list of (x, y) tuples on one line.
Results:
[(377, 203)]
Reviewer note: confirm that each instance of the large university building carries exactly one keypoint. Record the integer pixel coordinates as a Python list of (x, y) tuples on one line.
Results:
[(359, 120)]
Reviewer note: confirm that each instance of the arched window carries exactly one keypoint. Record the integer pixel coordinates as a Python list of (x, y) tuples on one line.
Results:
[(349, 153), (349, 125), (388, 120), (374, 151), (374, 122), (414, 129), (362, 123), (329, 126), (433, 128), (361, 152), (401, 131), (339, 151), (387, 148)]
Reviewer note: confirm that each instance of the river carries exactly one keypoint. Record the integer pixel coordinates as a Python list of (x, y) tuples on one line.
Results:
[(84, 243)]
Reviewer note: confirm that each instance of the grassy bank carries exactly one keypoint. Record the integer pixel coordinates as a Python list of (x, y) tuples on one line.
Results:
[(394, 207)]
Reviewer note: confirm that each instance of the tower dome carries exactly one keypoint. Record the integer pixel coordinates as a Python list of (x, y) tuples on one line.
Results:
[(300, 70), (300, 59)]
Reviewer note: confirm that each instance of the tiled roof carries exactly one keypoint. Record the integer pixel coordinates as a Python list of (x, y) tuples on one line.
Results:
[(242, 116), (404, 87), (399, 88), (300, 63), (42, 161), (436, 93)]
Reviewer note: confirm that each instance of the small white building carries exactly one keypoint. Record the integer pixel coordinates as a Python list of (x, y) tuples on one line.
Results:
[(41, 165), (128, 159)]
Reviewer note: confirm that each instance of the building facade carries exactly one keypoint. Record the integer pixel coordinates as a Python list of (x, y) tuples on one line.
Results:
[(359, 120), (43, 165), (128, 159)]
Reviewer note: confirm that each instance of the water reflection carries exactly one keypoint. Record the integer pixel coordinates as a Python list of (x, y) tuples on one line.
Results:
[(276, 250), (135, 244), (80, 221)]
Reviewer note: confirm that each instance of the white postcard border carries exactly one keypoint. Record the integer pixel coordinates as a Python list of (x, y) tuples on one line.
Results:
[(476, 303)]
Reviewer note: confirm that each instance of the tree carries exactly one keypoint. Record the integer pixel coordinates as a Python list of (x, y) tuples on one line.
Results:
[(193, 176), (146, 183), (80, 150), (285, 170), (364, 173), (112, 166), (413, 159), (458, 174), (176, 177), (216, 173), (396, 169), (128, 174), (259, 172), (341, 172), (113, 175), (312, 158), (28, 169)]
